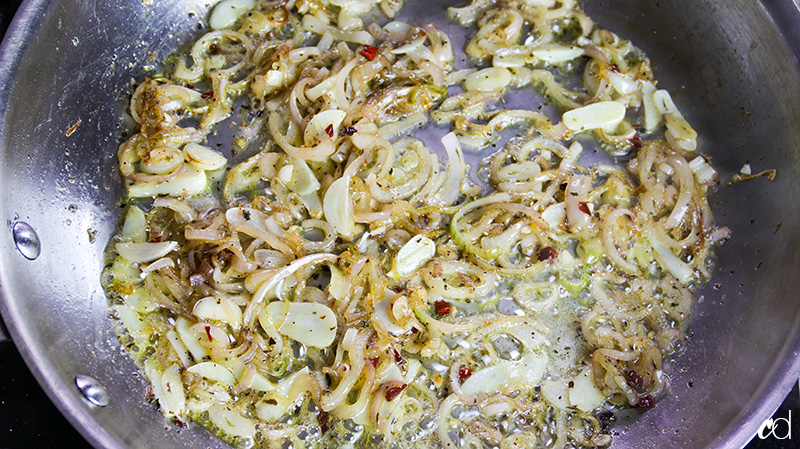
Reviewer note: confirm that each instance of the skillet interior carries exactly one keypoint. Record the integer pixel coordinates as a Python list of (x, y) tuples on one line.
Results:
[(730, 65)]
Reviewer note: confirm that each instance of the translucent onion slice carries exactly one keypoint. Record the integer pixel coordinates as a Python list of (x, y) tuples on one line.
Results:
[(382, 315), (227, 12), (144, 251), (311, 324), (448, 193), (409, 47), (605, 115), (202, 157), (191, 181), (669, 261)]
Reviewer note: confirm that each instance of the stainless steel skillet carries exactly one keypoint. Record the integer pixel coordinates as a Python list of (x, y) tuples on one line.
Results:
[(66, 69)]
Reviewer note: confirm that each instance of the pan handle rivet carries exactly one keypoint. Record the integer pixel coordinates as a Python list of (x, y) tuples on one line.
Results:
[(92, 390), (27, 240)]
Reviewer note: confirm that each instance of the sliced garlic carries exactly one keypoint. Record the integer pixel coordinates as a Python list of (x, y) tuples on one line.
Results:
[(555, 392), (255, 380), (311, 324), (231, 422), (219, 309), (161, 160), (202, 157), (557, 53), (144, 251), (183, 326), (338, 207), (505, 374), (605, 115), (173, 396), (508, 61), (584, 394), (414, 254), (213, 371), (317, 129), (134, 227), (491, 79), (554, 215), (247, 215), (299, 177), (227, 12)]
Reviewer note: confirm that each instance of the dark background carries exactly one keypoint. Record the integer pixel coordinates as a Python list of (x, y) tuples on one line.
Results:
[(28, 419)]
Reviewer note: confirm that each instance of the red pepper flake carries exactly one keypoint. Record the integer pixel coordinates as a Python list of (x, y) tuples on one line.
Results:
[(442, 307), (329, 130), (213, 49), (636, 141), (348, 130), (397, 357), (207, 95), (208, 332), (73, 128), (634, 380), (584, 207), (645, 402), (547, 253), (463, 374), (369, 52), (322, 417), (375, 361), (614, 68), (393, 392)]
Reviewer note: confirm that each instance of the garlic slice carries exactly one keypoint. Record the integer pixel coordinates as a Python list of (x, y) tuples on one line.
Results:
[(338, 207), (213, 371), (227, 12), (311, 324), (144, 251), (557, 53), (324, 125), (491, 79), (605, 115), (414, 254), (202, 157)]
